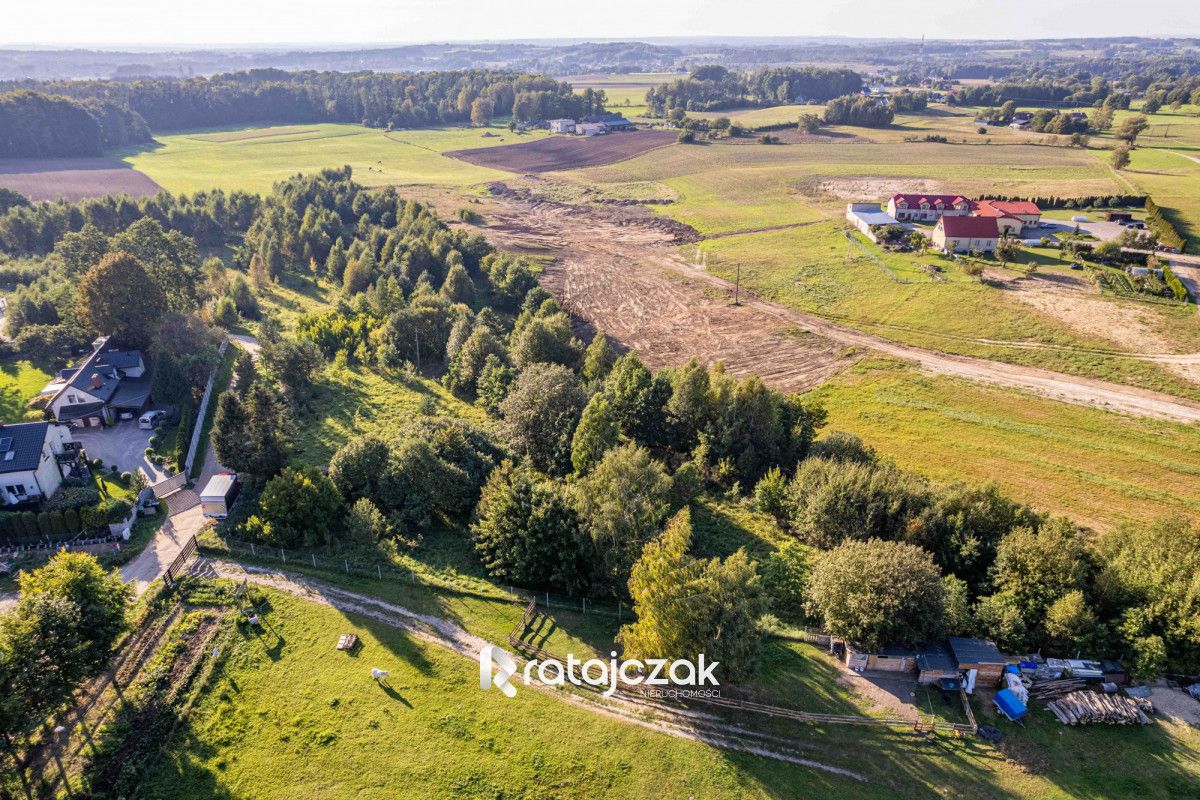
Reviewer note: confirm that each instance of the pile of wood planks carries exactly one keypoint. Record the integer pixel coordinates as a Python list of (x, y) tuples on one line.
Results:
[(1086, 708)]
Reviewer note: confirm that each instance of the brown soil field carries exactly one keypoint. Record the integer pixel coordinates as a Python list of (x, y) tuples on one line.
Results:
[(616, 268), (73, 178), (565, 152)]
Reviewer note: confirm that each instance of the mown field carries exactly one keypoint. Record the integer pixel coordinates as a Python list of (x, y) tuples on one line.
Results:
[(253, 159), (1097, 467)]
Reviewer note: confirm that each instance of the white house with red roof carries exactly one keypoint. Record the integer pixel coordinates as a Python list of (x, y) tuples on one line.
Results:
[(963, 234), (1011, 215), (927, 207)]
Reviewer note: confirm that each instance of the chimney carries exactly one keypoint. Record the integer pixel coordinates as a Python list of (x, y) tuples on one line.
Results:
[(95, 380)]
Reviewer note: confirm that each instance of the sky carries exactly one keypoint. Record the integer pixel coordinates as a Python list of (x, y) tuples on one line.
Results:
[(162, 23)]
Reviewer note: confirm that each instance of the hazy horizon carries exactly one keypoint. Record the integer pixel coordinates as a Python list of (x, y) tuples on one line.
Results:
[(232, 24)]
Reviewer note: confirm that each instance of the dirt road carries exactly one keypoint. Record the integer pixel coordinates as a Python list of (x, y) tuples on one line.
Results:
[(621, 271), (662, 718)]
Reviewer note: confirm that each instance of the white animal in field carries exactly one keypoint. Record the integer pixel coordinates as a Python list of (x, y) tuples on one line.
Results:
[(379, 674)]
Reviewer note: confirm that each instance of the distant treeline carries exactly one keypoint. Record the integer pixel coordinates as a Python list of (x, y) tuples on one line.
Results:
[(69, 118), (714, 88), (1090, 93), (36, 125)]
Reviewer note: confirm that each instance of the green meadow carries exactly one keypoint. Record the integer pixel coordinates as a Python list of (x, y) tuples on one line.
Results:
[(1098, 467), (252, 159)]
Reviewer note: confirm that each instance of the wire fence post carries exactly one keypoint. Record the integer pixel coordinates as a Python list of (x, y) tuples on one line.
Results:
[(252, 549), (547, 599), (583, 600), (314, 558), (618, 611), (379, 571), (346, 564), (282, 554)]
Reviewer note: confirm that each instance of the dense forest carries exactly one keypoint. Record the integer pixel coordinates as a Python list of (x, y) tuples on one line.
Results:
[(38, 119), (714, 88)]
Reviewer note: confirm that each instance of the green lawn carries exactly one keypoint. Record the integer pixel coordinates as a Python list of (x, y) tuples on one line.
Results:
[(20, 382), (1098, 467), (253, 159), (289, 716)]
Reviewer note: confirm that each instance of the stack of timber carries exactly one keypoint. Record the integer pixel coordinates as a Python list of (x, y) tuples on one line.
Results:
[(1053, 689), (1086, 708)]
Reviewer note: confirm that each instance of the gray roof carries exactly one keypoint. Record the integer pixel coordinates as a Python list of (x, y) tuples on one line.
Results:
[(131, 393), (975, 651), (218, 486), (106, 363), (935, 657), (78, 411), (24, 440)]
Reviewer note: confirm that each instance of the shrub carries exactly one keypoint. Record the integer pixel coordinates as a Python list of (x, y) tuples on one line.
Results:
[(73, 497), (1174, 284)]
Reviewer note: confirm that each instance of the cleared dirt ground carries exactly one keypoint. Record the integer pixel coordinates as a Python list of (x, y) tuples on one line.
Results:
[(617, 268), (73, 178), (566, 152)]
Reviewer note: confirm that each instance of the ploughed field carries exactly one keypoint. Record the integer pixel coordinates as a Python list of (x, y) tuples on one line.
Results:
[(566, 152), (73, 178)]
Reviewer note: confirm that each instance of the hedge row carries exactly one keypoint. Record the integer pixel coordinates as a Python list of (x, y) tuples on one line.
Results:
[(1091, 201), (1174, 284), (27, 525), (1163, 228)]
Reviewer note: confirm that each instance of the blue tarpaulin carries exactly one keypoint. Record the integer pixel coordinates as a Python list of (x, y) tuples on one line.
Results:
[(1012, 668), (1009, 704)]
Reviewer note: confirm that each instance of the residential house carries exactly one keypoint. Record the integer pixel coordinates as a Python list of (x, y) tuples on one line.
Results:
[(980, 655), (110, 382), (1011, 216), (927, 207), (562, 126), (963, 234), (34, 459)]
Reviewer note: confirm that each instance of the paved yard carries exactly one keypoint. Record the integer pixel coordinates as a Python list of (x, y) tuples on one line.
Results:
[(123, 444)]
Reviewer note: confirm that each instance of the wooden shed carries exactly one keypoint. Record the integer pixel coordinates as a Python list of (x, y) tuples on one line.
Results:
[(980, 655), (886, 659), (934, 662)]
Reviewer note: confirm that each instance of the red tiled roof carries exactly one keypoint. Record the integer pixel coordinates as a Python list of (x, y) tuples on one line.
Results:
[(1004, 208), (970, 227), (948, 200)]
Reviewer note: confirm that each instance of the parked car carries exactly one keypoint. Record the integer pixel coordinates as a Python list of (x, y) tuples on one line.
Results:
[(1141, 226), (151, 419)]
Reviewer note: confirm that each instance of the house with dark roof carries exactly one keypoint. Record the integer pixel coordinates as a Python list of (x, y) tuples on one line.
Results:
[(34, 459), (964, 234), (110, 382), (908, 207)]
